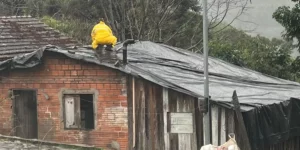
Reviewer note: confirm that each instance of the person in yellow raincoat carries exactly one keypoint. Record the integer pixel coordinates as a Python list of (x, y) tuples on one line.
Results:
[(102, 35)]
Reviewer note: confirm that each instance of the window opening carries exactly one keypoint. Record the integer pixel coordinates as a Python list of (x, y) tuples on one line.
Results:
[(79, 111)]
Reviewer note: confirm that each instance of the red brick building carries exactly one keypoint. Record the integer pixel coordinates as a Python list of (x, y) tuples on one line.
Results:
[(49, 100)]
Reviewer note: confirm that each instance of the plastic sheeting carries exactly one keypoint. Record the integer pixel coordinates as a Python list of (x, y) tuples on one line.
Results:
[(179, 70), (270, 115), (184, 70), (86, 54), (273, 123)]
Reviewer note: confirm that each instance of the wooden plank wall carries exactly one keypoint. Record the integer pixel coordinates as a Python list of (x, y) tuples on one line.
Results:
[(179, 102), (222, 123), (148, 129), (147, 133), (153, 104)]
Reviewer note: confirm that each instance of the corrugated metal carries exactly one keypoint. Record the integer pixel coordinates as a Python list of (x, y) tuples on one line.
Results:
[(22, 34)]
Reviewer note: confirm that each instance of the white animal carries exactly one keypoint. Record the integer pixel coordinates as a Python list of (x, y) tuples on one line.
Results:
[(209, 147)]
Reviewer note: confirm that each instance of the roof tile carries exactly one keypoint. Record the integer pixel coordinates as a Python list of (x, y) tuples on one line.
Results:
[(24, 34)]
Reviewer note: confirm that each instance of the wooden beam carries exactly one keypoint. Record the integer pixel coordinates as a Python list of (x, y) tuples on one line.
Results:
[(130, 112), (140, 113), (165, 112), (215, 125), (133, 112), (223, 126), (198, 123), (230, 122), (242, 128)]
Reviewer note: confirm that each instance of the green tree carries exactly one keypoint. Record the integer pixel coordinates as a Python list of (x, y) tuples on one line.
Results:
[(177, 23), (271, 57), (144, 20), (289, 18)]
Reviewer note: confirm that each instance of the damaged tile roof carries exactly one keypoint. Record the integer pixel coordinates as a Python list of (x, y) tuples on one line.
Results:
[(24, 34)]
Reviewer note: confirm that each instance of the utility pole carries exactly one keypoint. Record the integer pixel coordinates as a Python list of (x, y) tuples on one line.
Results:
[(206, 121), (123, 20)]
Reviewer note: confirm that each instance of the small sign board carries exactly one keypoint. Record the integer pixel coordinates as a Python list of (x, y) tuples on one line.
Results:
[(181, 122)]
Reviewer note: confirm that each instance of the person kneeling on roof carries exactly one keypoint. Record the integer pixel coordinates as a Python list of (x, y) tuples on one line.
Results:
[(102, 35)]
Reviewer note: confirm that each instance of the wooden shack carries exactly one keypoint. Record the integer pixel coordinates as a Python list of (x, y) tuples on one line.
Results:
[(158, 117), (165, 119), (166, 105)]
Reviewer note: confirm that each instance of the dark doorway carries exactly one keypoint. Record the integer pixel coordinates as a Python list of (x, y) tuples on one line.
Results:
[(25, 113)]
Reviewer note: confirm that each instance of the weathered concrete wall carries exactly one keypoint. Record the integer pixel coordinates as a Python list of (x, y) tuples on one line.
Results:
[(59, 72)]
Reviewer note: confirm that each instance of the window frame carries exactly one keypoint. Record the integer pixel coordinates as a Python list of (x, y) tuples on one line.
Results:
[(79, 92)]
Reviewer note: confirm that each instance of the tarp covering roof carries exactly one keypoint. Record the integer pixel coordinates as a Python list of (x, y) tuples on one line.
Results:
[(184, 70), (179, 70)]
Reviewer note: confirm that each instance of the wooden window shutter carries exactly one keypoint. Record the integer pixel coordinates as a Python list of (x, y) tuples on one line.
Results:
[(72, 111)]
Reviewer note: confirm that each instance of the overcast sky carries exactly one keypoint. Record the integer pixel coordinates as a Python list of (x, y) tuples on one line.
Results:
[(258, 18), (260, 13)]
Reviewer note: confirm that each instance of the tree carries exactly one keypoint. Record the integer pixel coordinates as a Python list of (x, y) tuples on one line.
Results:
[(12, 6), (289, 18), (271, 57), (174, 22)]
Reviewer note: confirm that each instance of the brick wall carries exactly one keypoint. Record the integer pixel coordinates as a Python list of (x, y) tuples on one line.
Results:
[(59, 72)]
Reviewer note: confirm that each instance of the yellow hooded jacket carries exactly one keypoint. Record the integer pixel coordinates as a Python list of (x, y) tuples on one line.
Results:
[(102, 35)]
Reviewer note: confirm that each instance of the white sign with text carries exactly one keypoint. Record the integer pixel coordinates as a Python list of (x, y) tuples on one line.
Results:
[(181, 122)]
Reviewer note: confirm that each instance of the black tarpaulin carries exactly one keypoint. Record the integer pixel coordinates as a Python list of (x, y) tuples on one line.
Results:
[(270, 113), (273, 123), (184, 70)]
